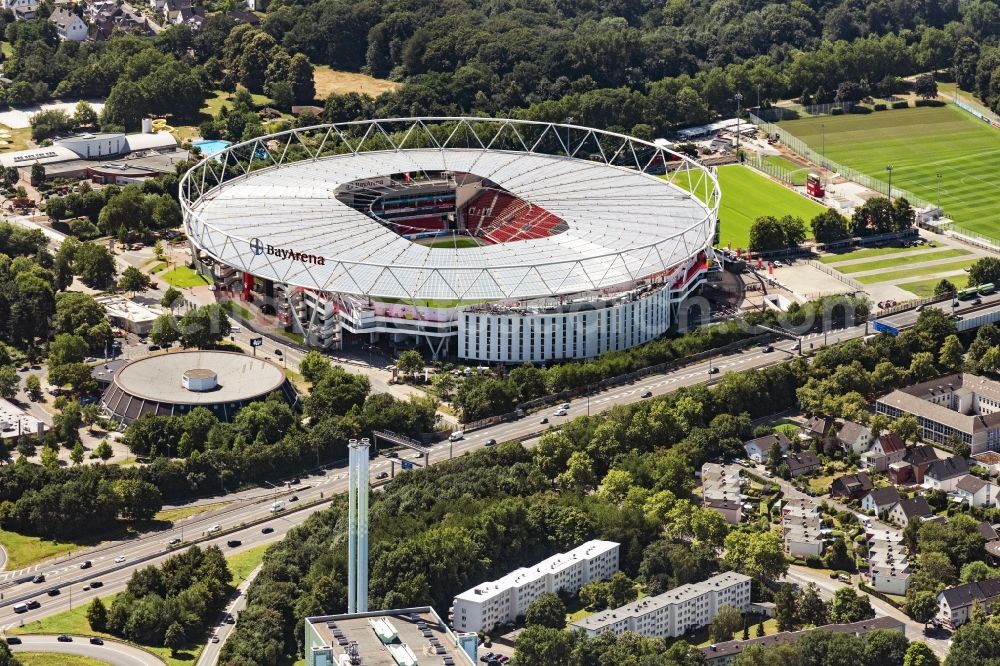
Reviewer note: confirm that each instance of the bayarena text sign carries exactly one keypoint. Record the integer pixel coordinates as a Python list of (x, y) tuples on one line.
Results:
[(260, 248)]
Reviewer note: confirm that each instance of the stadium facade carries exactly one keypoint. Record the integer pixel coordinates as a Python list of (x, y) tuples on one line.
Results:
[(492, 240)]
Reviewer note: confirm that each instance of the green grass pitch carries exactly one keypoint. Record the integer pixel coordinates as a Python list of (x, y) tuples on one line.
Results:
[(919, 143), (747, 195), (455, 243)]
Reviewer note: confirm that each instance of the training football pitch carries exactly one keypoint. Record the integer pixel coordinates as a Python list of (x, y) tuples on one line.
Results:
[(747, 195), (919, 143)]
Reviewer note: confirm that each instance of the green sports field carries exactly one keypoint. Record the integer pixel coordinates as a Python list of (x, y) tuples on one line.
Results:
[(919, 143), (746, 195), (454, 243)]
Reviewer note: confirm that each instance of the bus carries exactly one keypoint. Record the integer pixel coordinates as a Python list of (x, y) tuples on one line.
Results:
[(987, 288), (967, 293)]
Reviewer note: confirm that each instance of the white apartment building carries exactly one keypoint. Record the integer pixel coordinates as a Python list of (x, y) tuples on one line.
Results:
[(802, 529), (722, 490), (889, 567), (490, 604), (674, 612)]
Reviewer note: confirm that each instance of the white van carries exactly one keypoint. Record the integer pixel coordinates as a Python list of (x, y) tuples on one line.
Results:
[(455, 436), (21, 607), (235, 328), (277, 506), (215, 528)]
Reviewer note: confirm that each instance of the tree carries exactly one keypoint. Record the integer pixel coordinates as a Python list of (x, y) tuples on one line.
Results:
[(84, 115), (918, 654), (314, 366), (769, 233), (171, 298), (50, 123), (49, 458), (94, 264), (849, 606), (67, 423), (104, 451), (174, 638), (410, 362), (37, 175), (811, 609), (165, 330), (884, 646), (133, 280), (839, 557), (158, 251), (922, 606), (7, 658), (621, 589), (76, 455), (829, 226), (785, 611), (201, 327), (579, 474), (926, 86), (760, 631), (126, 105), (945, 288), (976, 571), (759, 555), (985, 271), (140, 500), (906, 427), (547, 610), (97, 615), (67, 348), (9, 382), (33, 385), (444, 383), (300, 76), (727, 621)]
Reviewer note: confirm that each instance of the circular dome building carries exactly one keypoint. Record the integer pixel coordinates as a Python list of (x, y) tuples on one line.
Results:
[(176, 383)]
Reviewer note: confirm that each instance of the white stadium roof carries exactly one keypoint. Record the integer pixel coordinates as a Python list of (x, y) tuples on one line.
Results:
[(623, 224)]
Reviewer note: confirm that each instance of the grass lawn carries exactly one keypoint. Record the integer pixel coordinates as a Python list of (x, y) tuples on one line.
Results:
[(701, 639), (925, 288), (892, 262), (747, 195), (46, 659), (865, 253), (293, 336), (183, 277), (453, 243), (331, 81), (24, 550), (796, 173), (919, 143), (19, 138), (919, 271), (173, 515), (243, 563), (220, 98), (821, 484), (158, 268), (236, 308)]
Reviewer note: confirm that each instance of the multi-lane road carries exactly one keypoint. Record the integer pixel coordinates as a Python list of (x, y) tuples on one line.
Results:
[(112, 652)]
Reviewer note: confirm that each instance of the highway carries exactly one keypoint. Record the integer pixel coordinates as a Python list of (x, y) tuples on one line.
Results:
[(112, 652)]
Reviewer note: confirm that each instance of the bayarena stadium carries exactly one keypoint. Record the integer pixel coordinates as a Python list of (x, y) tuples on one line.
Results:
[(492, 240)]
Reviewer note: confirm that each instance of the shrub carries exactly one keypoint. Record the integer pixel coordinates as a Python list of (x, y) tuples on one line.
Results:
[(860, 110), (880, 107), (928, 102), (900, 104), (836, 112), (814, 561)]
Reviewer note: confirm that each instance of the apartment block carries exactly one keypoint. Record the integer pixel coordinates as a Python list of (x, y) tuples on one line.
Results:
[(494, 603), (802, 528), (676, 611), (722, 490)]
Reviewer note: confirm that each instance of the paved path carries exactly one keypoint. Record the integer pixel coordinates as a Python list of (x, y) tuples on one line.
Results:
[(112, 652), (210, 655)]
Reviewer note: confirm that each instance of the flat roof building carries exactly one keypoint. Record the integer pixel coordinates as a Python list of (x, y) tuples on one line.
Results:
[(722, 490), (675, 611), (962, 405), (129, 315), (495, 603), (402, 637)]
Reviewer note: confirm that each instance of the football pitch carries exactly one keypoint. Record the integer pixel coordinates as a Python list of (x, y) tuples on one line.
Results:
[(746, 195), (938, 153)]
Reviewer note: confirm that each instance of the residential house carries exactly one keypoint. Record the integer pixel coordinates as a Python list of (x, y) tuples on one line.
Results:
[(802, 528), (851, 486), (974, 491), (905, 510), (803, 463), (69, 26), (109, 19), (888, 564), (955, 603), (243, 16), (817, 427), (724, 654), (759, 448), (887, 449), (911, 468), (989, 460), (722, 490), (854, 437), (24, 10), (880, 500), (944, 474)]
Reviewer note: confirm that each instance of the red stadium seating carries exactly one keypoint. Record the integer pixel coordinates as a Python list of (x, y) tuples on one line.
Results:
[(418, 225), (498, 217)]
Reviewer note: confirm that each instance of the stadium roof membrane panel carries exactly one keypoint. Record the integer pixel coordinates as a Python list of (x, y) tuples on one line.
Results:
[(284, 223)]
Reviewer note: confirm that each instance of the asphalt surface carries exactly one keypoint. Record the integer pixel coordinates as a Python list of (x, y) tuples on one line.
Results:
[(112, 652), (210, 655)]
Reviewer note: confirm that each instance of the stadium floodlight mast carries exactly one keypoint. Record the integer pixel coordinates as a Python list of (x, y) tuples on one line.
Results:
[(889, 169), (739, 99)]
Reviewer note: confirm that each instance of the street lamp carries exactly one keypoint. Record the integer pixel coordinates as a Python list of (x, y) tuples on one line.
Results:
[(823, 127), (739, 100), (939, 190), (889, 169)]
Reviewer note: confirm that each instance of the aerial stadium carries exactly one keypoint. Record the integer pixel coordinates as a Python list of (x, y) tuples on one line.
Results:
[(490, 240)]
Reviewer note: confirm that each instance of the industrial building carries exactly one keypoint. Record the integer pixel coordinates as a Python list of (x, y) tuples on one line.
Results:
[(676, 611), (402, 637), (128, 315), (501, 601)]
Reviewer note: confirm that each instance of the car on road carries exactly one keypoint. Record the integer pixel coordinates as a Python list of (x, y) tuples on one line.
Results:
[(647, 394), (86, 565), (215, 638), (293, 498), (565, 405), (54, 593), (491, 442), (267, 530), (544, 421), (768, 349), (96, 584), (39, 578), (561, 412), (33, 604), (382, 475), (713, 371), (215, 528), (13, 640), (174, 541), (94, 640), (234, 543), (119, 559), (456, 436), (63, 638)]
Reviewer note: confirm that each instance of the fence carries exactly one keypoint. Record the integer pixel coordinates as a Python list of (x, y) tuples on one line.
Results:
[(802, 148), (776, 113), (787, 176), (970, 237), (853, 284)]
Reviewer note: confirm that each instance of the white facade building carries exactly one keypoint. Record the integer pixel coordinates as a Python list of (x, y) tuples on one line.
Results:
[(722, 490), (889, 567), (802, 529), (676, 611), (490, 604)]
